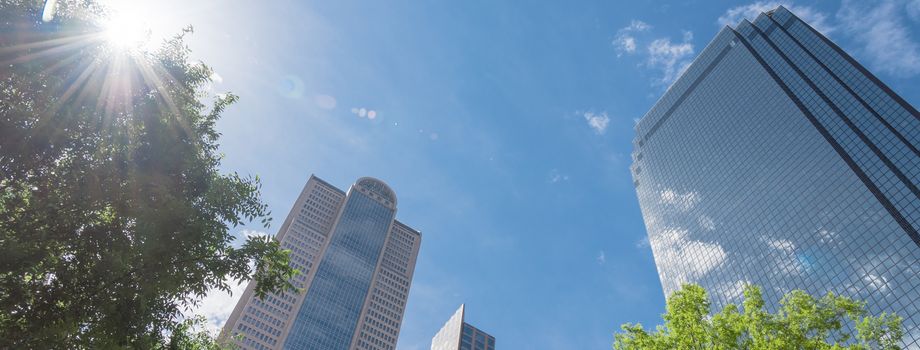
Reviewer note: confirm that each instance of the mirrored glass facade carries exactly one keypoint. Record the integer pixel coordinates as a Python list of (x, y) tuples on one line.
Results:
[(778, 160), (330, 312), (356, 264)]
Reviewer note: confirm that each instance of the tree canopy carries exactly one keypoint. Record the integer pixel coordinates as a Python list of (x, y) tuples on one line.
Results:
[(115, 216), (801, 322)]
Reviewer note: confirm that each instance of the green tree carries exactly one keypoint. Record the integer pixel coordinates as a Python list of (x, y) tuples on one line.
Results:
[(191, 335), (802, 322), (114, 214)]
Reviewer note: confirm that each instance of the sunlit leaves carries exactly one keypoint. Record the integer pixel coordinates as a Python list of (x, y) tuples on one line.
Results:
[(801, 322), (114, 214)]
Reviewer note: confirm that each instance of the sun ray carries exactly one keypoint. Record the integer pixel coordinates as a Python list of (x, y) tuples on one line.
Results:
[(104, 67), (152, 75), (47, 49), (81, 79), (53, 42), (63, 62)]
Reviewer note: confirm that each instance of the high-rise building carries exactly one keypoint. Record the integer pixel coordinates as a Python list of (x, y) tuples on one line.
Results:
[(356, 262), (778, 160), (459, 335)]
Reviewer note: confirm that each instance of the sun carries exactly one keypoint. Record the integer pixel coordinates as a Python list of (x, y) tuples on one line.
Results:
[(125, 32), (126, 26)]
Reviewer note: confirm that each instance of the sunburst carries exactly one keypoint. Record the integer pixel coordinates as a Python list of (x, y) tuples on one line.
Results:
[(112, 54)]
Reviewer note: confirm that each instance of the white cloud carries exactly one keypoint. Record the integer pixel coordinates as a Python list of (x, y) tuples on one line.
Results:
[(879, 283), (785, 257), (706, 223), (597, 121), (827, 236), (885, 38), (681, 201), (913, 10), (731, 292), (642, 243), (625, 42), (781, 244), (216, 78), (661, 54), (689, 260), (670, 58), (880, 28), (217, 306), (555, 176), (637, 26), (253, 233), (601, 258), (815, 18)]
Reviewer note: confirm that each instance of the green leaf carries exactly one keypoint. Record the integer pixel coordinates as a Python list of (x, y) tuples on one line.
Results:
[(802, 322)]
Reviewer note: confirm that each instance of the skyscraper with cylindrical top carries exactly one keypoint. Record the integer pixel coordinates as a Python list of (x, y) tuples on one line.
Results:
[(356, 262)]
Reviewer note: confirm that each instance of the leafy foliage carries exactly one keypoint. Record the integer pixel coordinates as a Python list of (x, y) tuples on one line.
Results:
[(802, 322), (114, 215), (190, 335)]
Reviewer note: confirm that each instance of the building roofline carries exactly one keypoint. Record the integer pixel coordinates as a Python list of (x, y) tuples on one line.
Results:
[(324, 182), (400, 223)]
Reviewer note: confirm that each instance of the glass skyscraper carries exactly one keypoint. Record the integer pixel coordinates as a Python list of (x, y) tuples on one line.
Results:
[(356, 262), (778, 160), (456, 334)]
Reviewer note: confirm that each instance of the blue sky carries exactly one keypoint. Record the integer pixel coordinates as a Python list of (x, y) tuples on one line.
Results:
[(504, 127)]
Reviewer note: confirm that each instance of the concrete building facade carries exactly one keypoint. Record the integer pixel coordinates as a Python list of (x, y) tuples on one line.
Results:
[(456, 334)]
